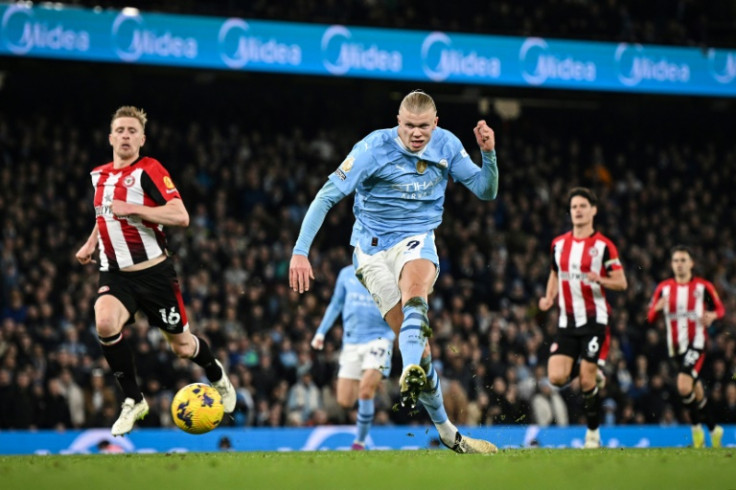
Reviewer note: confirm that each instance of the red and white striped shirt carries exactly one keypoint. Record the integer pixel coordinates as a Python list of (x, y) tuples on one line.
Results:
[(127, 241), (580, 300), (683, 311)]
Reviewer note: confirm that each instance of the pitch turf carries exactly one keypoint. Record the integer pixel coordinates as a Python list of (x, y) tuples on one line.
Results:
[(658, 469)]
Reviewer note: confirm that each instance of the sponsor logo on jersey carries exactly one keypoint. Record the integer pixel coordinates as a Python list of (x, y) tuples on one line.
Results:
[(129, 181), (421, 166), (168, 183), (340, 174), (553, 347), (103, 289), (347, 165)]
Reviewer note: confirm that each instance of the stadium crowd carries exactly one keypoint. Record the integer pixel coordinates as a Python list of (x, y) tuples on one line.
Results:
[(676, 22), (247, 191)]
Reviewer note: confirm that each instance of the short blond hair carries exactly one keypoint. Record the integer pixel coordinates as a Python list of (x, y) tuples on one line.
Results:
[(418, 102), (130, 111)]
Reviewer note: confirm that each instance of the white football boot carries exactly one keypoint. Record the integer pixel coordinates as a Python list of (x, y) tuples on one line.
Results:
[(226, 390), (131, 411), (592, 439)]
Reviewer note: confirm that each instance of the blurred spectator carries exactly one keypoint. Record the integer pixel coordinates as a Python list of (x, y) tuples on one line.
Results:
[(725, 410), (99, 396), (304, 398), (490, 339), (548, 408), (55, 412), (74, 397)]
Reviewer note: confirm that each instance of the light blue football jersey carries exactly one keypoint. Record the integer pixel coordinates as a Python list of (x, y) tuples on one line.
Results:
[(399, 193), (361, 320)]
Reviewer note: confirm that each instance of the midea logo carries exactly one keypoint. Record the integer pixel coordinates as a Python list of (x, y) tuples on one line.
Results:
[(22, 32), (722, 65), (635, 66), (353, 55), (238, 48), (131, 39), (453, 61), (546, 65)]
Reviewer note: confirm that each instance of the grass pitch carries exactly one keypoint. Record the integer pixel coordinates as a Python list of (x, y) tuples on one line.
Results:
[(426, 470)]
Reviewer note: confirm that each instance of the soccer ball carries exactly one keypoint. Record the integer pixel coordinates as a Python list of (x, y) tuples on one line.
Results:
[(197, 408)]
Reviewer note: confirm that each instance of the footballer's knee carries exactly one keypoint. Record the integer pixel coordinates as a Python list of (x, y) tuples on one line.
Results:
[(183, 347), (110, 316), (688, 398), (107, 326), (346, 402), (685, 385), (367, 392), (558, 379)]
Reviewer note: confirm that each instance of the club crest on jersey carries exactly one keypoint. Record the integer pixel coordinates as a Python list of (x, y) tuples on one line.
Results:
[(553, 347), (697, 294), (421, 166), (593, 252), (347, 165), (443, 163), (168, 183), (103, 289), (377, 300), (129, 181)]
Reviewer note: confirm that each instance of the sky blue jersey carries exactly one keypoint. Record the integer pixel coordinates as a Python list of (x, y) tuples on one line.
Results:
[(399, 193), (361, 320)]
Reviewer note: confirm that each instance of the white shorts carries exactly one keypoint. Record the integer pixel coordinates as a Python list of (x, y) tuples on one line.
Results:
[(356, 358), (380, 272)]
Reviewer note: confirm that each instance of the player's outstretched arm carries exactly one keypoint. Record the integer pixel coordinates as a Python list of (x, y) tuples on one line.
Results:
[(546, 301), (84, 254), (657, 304), (615, 281), (718, 311), (318, 341), (337, 303), (300, 272), (173, 213), (483, 182), (484, 136)]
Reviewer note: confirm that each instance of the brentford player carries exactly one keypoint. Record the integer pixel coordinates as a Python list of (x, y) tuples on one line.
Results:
[(584, 264), (690, 305), (134, 199)]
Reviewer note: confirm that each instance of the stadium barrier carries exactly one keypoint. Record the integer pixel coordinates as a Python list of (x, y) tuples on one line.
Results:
[(333, 438), (131, 36)]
